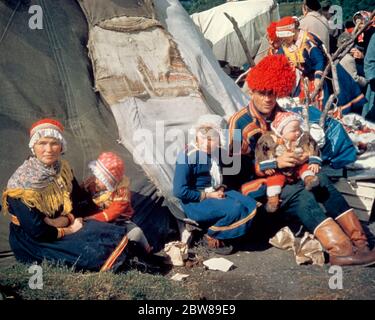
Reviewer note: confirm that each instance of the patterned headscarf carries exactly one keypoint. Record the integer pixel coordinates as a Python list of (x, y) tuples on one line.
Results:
[(33, 174)]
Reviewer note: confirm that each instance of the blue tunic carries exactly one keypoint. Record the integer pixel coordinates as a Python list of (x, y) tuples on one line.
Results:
[(226, 218), (97, 246), (350, 98), (369, 109)]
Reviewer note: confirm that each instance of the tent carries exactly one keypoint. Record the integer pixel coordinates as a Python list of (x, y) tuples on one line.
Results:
[(47, 73), (219, 32)]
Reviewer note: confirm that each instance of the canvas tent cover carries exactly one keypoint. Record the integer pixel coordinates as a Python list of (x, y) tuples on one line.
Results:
[(47, 73), (253, 18)]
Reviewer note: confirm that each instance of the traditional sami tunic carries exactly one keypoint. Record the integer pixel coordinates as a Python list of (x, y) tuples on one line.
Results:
[(97, 246), (310, 58), (245, 129), (225, 218), (295, 200)]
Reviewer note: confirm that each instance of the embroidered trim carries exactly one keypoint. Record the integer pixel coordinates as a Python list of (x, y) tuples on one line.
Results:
[(236, 224)]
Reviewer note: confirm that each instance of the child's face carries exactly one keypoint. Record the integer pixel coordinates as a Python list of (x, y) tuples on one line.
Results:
[(208, 140), (99, 185), (292, 131)]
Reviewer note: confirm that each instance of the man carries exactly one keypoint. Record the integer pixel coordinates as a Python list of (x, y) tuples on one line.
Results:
[(314, 22), (338, 229)]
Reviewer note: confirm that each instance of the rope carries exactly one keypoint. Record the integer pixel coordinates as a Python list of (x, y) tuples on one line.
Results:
[(10, 20)]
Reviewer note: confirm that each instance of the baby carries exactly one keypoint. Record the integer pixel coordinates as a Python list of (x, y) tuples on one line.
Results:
[(110, 191), (286, 136)]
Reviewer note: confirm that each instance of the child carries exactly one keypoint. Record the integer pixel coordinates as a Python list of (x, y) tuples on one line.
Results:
[(110, 192), (225, 214), (286, 136)]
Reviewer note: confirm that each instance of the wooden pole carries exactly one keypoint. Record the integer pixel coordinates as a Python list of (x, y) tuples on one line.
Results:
[(305, 110), (242, 40), (327, 106)]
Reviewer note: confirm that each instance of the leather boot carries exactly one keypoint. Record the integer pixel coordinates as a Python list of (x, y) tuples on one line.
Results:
[(352, 227), (339, 247)]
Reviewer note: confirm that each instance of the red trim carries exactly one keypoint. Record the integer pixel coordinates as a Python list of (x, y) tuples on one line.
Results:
[(115, 254)]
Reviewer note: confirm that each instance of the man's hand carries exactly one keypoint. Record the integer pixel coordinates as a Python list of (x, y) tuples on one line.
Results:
[(270, 172), (314, 168), (287, 160), (303, 158)]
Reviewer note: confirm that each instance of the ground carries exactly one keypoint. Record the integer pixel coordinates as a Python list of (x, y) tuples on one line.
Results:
[(274, 274), (260, 272), (264, 272)]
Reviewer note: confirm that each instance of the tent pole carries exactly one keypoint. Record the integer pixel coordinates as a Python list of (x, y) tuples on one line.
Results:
[(250, 59)]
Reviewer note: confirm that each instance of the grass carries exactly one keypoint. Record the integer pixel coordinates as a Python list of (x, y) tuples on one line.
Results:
[(60, 282)]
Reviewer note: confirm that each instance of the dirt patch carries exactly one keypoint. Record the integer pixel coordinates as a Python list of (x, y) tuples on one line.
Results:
[(268, 273)]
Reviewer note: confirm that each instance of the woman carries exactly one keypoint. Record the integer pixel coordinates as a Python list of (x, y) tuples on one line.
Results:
[(198, 186), (306, 53), (45, 202)]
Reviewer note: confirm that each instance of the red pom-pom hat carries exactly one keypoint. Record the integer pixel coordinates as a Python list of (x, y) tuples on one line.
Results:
[(273, 73)]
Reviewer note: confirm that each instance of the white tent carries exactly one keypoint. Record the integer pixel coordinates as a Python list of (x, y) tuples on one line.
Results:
[(157, 74), (253, 18)]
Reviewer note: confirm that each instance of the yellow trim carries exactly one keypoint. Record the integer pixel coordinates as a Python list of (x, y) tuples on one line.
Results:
[(105, 216), (236, 224), (47, 200), (233, 121), (115, 254), (104, 197)]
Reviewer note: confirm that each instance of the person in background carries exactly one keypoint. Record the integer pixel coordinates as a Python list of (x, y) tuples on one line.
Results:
[(314, 22), (306, 53), (369, 108), (348, 62)]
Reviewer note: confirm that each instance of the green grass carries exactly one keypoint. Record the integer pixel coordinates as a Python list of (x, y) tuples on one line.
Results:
[(60, 282)]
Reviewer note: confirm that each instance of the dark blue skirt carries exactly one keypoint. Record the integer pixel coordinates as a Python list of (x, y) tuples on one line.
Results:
[(226, 218), (97, 246)]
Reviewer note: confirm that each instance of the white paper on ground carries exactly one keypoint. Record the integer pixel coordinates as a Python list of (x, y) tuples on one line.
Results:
[(220, 264)]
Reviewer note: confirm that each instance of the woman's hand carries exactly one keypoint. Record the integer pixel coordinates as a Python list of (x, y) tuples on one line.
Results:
[(59, 222), (74, 227), (216, 194), (287, 160), (314, 168)]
